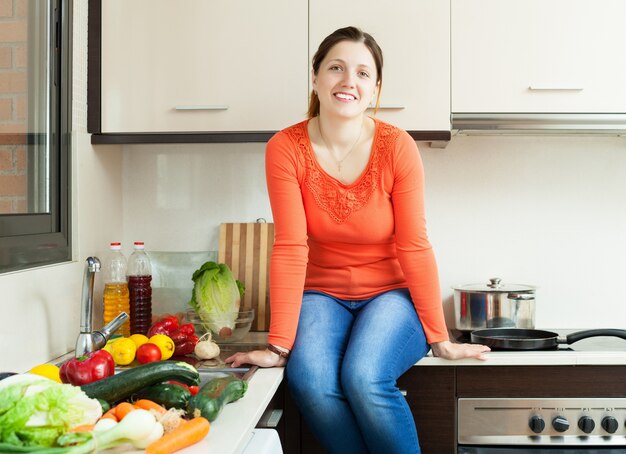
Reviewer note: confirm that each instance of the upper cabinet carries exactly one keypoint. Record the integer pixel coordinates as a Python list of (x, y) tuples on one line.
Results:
[(538, 56), (414, 36), (203, 71), (200, 65)]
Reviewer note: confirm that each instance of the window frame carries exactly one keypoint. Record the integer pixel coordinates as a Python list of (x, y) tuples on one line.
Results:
[(37, 239)]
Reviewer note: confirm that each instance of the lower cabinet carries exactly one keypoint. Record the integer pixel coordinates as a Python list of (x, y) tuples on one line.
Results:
[(430, 393)]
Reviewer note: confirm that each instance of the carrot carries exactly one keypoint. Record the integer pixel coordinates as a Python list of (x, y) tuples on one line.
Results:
[(147, 404), (110, 414), (83, 428), (185, 435), (122, 409)]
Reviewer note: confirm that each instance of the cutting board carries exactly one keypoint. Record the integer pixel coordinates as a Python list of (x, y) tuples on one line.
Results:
[(246, 249)]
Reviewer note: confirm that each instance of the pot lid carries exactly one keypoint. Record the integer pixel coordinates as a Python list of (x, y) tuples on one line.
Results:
[(495, 285)]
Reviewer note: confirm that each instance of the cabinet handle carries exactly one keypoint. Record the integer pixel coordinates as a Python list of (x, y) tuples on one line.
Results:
[(554, 88), (202, 107), (388, 107)]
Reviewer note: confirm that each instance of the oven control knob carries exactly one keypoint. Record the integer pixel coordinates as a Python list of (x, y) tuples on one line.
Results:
[(586, 424), (610, 424), (560, 424), (537, 424)]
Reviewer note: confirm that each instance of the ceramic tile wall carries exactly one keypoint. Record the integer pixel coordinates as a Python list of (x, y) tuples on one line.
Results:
[(546, 211)]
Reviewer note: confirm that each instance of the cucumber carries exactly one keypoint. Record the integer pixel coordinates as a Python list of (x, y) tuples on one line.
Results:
[(127, 382), (166, 394), (214, 395)]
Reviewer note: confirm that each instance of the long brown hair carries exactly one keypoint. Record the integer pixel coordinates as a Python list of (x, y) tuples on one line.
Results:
[(346, 34)]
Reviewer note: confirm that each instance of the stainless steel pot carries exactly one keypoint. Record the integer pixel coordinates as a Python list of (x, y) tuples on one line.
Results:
[(494, 305)]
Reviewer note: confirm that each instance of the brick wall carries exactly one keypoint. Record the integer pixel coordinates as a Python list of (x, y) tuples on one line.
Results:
[(13, 106)]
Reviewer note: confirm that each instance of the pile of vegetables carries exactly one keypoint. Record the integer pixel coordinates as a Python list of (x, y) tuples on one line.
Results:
[(157, 406), (216, 297)]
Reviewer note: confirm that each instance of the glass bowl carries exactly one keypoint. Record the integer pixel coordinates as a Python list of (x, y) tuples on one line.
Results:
[(224, 331)]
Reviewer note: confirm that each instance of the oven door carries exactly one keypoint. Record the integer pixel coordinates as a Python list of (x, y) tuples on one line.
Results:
[(536, 450)]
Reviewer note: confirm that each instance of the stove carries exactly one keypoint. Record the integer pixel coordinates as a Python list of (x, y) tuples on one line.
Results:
[(514, 409)]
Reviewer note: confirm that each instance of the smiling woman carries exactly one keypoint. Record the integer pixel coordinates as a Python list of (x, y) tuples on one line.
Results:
[(34, 130)]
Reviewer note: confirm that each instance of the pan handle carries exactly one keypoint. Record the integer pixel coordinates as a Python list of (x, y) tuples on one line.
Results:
[(580, 335)]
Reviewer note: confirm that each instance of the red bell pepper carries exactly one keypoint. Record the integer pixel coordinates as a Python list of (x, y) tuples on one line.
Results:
[(184, 336), (191, 388), (91, 367)]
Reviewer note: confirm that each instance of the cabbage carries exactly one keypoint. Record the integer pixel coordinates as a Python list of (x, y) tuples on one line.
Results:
[(216, 297), (35, 411)]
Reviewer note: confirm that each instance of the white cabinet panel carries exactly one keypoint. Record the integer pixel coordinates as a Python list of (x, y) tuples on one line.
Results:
[(538, 56), (414, 36), (203, 65)]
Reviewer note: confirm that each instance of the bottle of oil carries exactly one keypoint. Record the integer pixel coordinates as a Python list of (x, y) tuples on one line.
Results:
[(116, 297), (139, 285)]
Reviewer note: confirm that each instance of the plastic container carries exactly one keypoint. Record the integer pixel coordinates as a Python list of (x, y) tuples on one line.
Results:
[(140, 287), (115, 295)]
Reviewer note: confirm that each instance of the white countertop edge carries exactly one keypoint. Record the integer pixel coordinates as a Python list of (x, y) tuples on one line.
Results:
[(537, 358), (232, 429)]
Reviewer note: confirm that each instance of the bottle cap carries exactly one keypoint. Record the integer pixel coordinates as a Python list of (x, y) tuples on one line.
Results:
[(116, 246), (138, 245)]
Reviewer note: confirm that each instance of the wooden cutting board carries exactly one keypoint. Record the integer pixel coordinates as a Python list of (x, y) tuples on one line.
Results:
[(246, 249)]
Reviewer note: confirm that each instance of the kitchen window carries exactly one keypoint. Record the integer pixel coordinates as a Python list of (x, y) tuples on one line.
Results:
[(34, 133)]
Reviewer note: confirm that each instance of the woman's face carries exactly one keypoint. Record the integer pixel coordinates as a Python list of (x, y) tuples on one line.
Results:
[(346, 80)]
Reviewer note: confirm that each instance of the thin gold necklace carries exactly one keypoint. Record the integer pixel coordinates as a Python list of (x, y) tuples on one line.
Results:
[(340, 161)]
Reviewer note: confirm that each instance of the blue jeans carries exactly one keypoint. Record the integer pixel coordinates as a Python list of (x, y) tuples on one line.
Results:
[(343, 369)]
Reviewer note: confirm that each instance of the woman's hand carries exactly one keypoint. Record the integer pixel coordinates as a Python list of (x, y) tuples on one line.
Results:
[(261, 358), (449, 350)]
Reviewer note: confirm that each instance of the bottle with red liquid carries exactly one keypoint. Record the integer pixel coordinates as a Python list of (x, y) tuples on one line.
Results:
[(140, 289)]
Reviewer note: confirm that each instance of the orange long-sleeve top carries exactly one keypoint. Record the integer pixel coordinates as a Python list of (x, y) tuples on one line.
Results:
[(352, 241)]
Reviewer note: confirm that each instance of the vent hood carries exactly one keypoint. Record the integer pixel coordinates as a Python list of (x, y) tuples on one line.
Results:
[(539, 124)]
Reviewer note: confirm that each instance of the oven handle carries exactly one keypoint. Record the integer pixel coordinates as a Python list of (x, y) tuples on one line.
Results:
[(532, 450)]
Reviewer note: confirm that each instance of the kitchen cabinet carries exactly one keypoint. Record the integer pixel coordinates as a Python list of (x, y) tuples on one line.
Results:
[(215, 72), (414, 36), (537, 56), (202, 66)]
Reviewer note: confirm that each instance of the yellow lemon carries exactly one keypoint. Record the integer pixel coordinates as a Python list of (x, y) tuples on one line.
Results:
[(139, 339), (47, 370), (165, 344), (123, 351)]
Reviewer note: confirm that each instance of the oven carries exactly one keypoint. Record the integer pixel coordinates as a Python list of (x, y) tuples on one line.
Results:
[(568, 400), (564, 425)]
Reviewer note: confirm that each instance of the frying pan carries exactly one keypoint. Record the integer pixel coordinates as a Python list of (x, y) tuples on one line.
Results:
[(534, 339)]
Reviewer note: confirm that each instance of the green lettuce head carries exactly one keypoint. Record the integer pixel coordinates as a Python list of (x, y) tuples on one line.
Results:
[(35, 411), (216, 297)]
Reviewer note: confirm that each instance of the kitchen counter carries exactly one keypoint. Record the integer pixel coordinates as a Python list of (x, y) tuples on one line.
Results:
[(232, 430), (534, 358)]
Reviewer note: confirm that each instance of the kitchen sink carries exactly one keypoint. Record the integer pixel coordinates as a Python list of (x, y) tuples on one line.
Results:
[(208, 369)]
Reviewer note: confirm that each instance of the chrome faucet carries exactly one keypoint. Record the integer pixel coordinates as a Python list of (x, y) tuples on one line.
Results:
[(89, 341)]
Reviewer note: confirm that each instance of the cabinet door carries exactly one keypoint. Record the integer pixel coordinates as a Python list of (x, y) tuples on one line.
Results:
[(414, 36), (203, 65), (538, 56)]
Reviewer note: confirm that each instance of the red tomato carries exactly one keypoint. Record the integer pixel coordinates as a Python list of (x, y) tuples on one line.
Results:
[(148, 353)]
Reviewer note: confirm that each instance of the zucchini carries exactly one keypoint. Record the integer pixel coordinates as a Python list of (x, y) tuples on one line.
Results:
[(166, 394), (214, 395), (129, 381)]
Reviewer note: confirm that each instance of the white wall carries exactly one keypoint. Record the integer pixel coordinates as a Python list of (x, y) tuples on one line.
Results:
[(545, 211), (40, 307)]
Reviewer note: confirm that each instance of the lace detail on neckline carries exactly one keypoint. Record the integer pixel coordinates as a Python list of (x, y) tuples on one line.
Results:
[(337, 199)]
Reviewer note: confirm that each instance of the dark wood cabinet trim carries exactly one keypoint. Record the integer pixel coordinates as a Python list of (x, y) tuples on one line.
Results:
[(223, 137), (541, 381), (94, 74)]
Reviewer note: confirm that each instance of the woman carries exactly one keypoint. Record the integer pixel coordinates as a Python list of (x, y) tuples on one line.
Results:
[(354, 288)]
